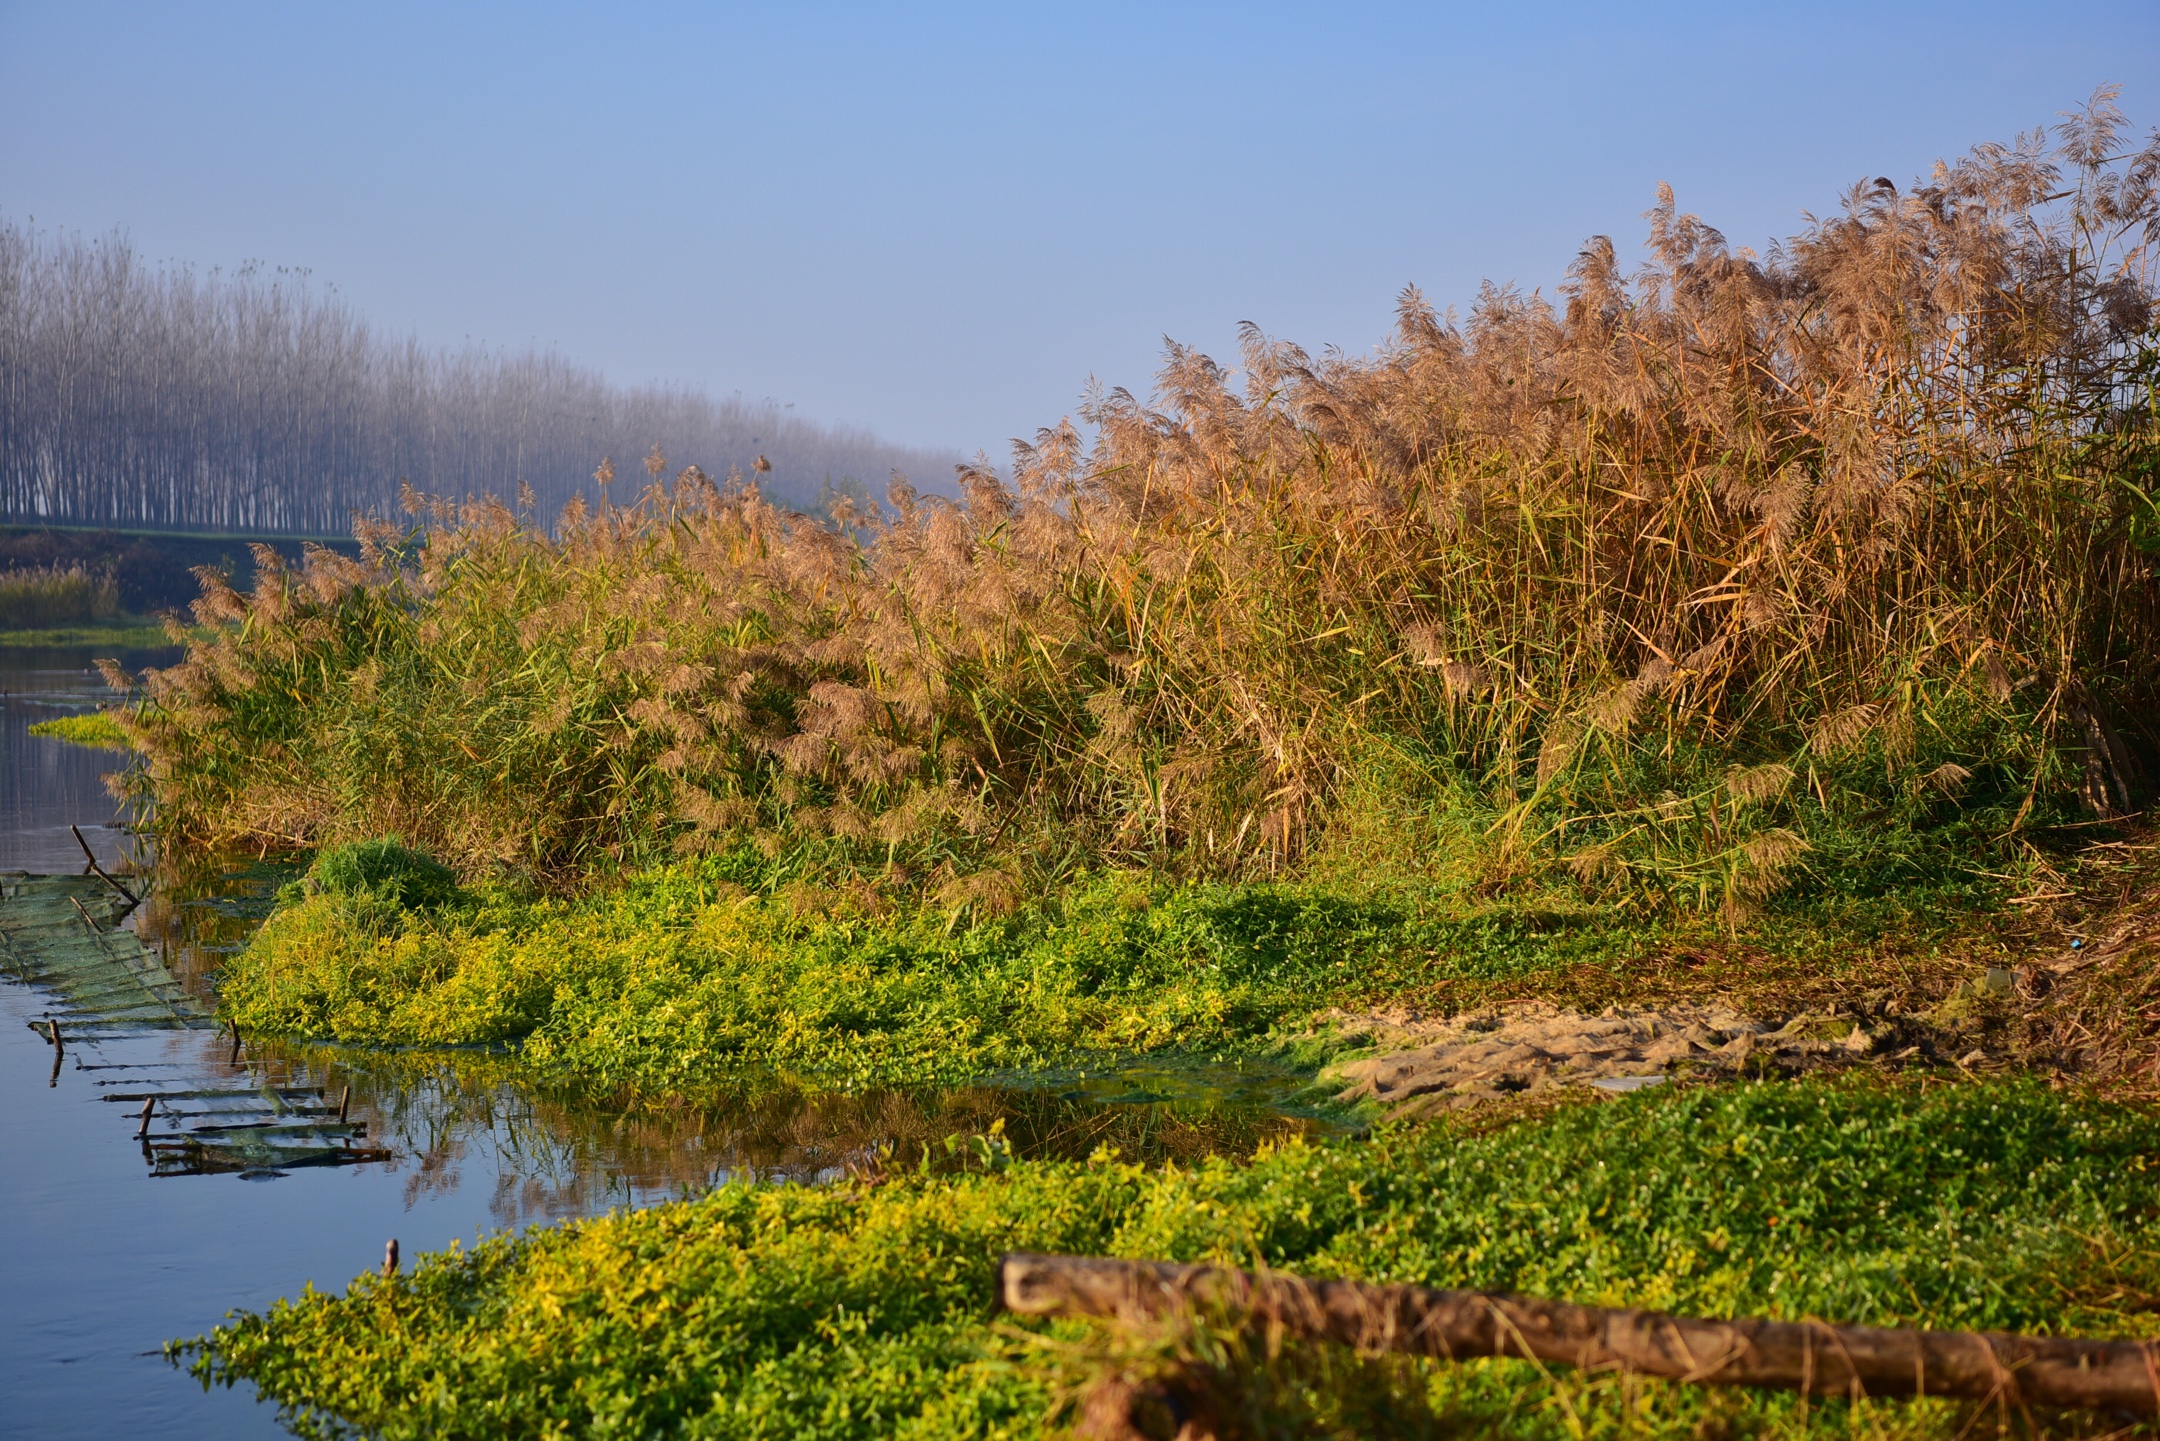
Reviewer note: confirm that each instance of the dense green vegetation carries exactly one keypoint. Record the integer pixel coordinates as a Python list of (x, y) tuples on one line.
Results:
[(864, 1310), (727, 971), (689, 976)]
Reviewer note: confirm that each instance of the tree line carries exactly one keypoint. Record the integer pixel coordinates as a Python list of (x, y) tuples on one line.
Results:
[(154, 396)]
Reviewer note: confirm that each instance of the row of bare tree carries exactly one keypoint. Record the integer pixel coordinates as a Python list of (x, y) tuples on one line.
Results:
[(156, 397)]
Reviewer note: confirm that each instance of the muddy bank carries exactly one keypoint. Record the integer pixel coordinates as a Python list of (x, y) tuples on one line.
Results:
[(1430, 1065)]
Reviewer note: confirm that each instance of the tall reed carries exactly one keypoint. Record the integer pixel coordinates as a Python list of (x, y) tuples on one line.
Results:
[(1650, 591), (38, 596)]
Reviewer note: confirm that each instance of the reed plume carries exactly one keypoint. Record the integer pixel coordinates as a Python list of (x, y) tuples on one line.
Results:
[(1655, 589)]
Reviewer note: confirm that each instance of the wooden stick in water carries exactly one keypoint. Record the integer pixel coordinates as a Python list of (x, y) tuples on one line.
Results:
[(149, 1104), (132, 899), (235, 1043), (1805, 1356), (389, 1258), (343, 1101)]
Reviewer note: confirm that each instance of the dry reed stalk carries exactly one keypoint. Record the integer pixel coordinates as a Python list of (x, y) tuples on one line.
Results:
[(1790, 511)]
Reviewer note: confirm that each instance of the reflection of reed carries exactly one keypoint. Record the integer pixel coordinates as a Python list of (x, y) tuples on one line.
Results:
[(556, 1153), (195, 915)]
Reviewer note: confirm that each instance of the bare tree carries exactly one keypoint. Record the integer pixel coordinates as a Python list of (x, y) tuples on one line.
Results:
[(157, 397)]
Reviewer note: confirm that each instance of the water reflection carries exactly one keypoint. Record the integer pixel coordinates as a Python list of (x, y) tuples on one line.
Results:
[(455, 1121), (48, 785), (463, 1120), (197, 913)]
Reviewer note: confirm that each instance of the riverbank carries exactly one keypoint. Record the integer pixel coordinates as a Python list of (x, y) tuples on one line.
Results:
[(719, 973), (113, 638), (152, 571), (865, 1309), (1980, 1161)]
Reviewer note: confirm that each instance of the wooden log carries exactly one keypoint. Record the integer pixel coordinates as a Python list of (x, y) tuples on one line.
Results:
[(1805, 1356), (389, 1258), (143, 1130)]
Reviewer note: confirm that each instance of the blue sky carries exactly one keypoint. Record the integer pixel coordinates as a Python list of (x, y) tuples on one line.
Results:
[(941, 221)]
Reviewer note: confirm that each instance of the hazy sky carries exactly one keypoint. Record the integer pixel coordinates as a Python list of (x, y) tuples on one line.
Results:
[(941, 221)]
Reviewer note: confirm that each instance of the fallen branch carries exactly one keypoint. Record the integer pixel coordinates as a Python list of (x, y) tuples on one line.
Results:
[(1805, 1356)]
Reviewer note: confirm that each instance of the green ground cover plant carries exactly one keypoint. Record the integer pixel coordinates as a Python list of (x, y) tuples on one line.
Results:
[(733, 971), (385, 871), (715, 971), (99, 731), (865, 1309)]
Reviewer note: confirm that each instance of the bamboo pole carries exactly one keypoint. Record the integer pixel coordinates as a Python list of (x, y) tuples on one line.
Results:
[(1806, 1356), (108, 880)]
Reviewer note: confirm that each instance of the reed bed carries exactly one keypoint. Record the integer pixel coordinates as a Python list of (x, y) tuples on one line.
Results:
[(1691, 583), (34, 597)]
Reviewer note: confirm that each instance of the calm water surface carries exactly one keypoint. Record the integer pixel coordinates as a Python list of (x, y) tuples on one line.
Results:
[(107, 1260)]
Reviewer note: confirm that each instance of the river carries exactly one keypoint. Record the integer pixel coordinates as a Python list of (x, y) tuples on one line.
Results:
[(113, 1250)]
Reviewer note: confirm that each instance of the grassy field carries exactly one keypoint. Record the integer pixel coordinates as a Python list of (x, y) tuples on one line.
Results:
[(1776, 632)]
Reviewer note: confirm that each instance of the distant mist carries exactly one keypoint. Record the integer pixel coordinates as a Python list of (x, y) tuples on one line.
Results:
[(156, 397)]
